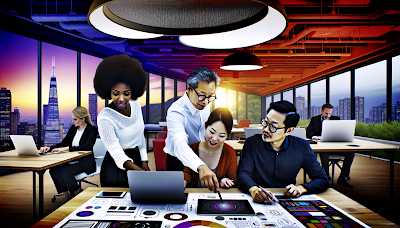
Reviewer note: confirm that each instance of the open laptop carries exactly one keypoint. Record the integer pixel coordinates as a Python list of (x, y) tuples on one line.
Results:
[(25, 145), (299, 132), (338, 130), (157, 187)]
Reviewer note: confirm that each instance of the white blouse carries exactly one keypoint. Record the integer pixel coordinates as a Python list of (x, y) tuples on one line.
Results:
[(77, 138), (119, 132)]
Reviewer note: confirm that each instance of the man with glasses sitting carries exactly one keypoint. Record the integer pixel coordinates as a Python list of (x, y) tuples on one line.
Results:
[(186, 119), (274, 158)]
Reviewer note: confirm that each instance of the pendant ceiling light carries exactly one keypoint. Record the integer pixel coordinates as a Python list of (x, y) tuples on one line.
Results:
[(222, 24), (241, 61)]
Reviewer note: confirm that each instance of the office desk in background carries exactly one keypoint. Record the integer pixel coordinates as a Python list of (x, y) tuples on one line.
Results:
[(348, 205), (362, 146), (39, 165)]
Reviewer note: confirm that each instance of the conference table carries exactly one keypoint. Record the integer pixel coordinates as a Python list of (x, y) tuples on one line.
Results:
[(38, 165), (348, 205), (358, 145)]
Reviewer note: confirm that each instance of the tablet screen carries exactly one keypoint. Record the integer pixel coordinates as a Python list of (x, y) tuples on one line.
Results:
[(230, 207)]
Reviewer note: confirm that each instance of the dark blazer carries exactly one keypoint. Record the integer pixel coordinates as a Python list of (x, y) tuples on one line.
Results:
[(86, 143), (315, 127)]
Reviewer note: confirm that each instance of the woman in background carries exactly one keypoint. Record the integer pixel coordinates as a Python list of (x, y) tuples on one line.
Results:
[(218, 156), (122, 80), (80, 137)]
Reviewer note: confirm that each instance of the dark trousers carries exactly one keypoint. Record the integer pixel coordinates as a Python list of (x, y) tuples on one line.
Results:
[(64, 177), (174, 164), (348, 160), (111, 175)]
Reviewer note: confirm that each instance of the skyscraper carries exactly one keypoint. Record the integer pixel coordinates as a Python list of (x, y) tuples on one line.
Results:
[(5, 114), (93, 108), (359, 105), (45, 108), (53, 133), (300, 107), (15, 118)]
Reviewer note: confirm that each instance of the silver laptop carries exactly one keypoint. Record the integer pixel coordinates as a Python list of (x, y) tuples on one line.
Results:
[(157, 187), (338, 130), (25, 145)]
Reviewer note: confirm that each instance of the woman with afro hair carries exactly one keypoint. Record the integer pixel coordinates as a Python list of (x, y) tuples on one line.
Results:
[(122, 80)]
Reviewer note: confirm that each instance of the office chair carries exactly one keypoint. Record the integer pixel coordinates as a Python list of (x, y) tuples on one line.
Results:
[(248, 132), (99, 152), (334, 160)]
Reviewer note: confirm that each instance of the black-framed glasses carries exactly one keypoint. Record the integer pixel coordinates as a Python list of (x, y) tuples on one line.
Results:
[(203, 97), (272, 128)]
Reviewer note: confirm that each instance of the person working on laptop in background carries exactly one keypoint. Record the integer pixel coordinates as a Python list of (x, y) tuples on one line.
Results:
[(314, 130), (122, 80), (80, 137), (274, 159), (185, 123), (217, 155)]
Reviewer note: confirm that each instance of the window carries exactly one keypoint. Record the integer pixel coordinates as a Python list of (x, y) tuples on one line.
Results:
[(370, 92), (396, 88), (221, 97), (268, 101), (232, 103), (59, 94), (89, 98), (277, 97), (18, 92), (254, 108), (317, 96), (242, 106), (143, 104), (181, 88), (301, 102), (288, 96), (339, 97), (169, 89), (155, 98)]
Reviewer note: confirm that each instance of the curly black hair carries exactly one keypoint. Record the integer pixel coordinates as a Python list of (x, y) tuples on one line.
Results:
[(116, 69)]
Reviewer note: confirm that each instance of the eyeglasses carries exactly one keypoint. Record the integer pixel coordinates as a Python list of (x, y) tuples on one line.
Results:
[(272, 128), (203, 97)]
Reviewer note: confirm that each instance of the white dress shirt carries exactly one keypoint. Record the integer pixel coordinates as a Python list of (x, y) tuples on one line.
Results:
[(186, 125), (120, 132)]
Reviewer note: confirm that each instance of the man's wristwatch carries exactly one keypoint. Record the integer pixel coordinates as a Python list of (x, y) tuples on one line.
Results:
[(145, 161)]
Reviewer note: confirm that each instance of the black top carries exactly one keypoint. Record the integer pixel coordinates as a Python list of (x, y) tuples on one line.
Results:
[(260, 164), (86, 143), (315, 126)]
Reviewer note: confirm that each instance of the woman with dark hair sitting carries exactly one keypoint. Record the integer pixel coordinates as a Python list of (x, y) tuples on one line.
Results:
[(122, 80), (218, 156), (80, 137)]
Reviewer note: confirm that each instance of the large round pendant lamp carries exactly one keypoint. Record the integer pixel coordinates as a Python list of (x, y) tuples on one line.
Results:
[(241, 61), (200, 23)]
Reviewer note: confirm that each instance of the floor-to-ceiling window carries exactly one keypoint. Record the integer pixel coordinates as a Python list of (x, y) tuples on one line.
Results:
[(242, 106), (268, 101), (288, 96), (317, 97), (180, 88), (339, 95), (221, 97), (277, 97), (169, 87), (370, 92), (59, 91), (89, 98), (232, 103), (19, 88), (396, 88), (254, 108), (154, 98), (301, 102)]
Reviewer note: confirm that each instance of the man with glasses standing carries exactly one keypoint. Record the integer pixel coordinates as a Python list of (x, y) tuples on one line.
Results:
[(314, 130), (186, 119), (274, 158)]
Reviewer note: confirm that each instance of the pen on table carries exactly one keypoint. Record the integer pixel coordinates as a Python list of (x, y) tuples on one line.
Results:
[(220, 197), (269, 193)]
